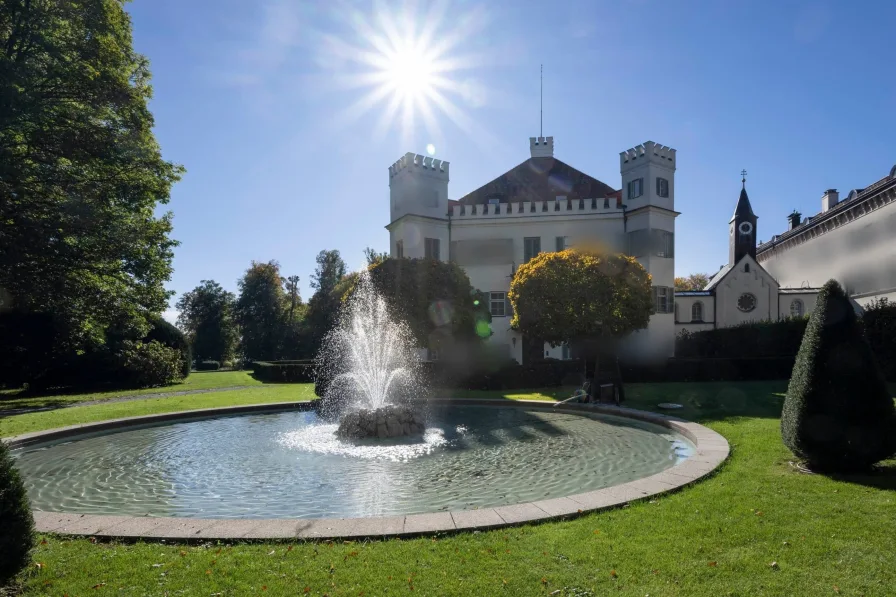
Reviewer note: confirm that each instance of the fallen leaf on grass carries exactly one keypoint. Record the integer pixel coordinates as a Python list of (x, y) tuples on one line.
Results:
[(597, 531), (43, 542), (613, 574), (713, 564), (544, 581), (264, 587), (272, 552), (773, 565), (307, 590), (39, 565), (183, 553), (97, 586)]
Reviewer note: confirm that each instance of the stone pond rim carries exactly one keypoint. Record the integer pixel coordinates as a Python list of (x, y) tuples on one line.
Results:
[(711, 450)]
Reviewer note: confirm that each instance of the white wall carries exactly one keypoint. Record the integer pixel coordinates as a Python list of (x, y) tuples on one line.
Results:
[(784, 300), (412, 230), (860, 254), (685, 306), (737, 282)]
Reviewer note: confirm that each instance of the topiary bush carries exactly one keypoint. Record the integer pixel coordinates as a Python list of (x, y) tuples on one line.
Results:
[(150, 364), (838, 414), (169, 335), (208, 366), (16, 522)]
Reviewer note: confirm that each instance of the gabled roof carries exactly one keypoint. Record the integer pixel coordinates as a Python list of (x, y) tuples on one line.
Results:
[(718, 277), (693, 293), (539, 179), (743, 208)]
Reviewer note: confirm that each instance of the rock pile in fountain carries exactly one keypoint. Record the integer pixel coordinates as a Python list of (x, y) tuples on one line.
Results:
[(387, 421)]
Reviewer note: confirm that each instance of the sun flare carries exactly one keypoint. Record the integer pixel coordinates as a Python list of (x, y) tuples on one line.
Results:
[(409, 67)]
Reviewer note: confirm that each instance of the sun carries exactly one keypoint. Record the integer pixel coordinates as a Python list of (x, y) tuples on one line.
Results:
[(411, 75), (409, 69)]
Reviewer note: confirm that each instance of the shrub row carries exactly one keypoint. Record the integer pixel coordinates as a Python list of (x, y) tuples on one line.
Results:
[(283, 371), (208, 366), (748, 340)]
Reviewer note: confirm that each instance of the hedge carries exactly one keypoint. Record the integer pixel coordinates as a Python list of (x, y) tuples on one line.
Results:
[(283, 371), (748, 340), (208, 366)]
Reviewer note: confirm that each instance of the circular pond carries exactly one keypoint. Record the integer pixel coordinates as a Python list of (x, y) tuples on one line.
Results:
[(291, 465)]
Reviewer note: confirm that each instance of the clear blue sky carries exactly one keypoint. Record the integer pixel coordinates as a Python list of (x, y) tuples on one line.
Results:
[(256, 99)]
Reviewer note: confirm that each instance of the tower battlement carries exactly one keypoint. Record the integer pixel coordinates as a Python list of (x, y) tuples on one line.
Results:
[(648, 151), (414, 161), (541, 147)]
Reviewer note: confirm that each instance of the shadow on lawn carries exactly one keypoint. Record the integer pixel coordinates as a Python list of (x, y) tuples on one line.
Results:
[(882, 476)]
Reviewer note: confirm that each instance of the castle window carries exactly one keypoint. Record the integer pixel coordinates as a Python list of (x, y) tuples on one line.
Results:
[(497, 304), (662, 187), (434, 199), (531, 247), (399, 249), (663, 299), (635, 188), (494, 201), (431, 248), (697, 311), (562, 243), (663, 243), (796, 308), (747, 268)]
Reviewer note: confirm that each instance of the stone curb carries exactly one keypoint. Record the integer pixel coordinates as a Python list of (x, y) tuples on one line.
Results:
[(711, 450)]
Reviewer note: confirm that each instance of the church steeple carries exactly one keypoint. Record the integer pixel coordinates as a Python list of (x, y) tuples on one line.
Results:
[(742, 227)]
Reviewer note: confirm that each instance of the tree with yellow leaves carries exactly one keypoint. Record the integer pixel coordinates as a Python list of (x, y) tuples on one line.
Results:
[(587, 298)]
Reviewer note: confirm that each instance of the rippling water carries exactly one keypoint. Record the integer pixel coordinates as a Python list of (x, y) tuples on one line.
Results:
[(290, 465)]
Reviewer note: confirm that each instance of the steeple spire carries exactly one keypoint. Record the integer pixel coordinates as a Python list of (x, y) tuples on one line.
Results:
[(742, 227)]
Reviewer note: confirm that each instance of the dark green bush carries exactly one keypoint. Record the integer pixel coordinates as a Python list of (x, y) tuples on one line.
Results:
[(838, 414), (171, 336), (748, 340), (208, 366), (16, 522), (283, 371), (150, 364), (879, 322)]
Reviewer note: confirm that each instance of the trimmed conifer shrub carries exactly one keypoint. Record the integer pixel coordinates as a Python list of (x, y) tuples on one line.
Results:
[(838, 414), (16, 522)]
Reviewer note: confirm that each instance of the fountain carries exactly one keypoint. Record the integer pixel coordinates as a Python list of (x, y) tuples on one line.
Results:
[(373, 374)]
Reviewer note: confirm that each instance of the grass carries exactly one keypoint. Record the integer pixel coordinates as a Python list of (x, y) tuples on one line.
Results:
[(198, 380), (756, 527)]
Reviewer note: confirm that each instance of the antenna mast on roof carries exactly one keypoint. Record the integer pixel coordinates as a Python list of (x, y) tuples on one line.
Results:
[(541, 108)]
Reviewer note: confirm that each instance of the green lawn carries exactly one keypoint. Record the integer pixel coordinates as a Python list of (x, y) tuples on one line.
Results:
[(755, 528), (198, 380)]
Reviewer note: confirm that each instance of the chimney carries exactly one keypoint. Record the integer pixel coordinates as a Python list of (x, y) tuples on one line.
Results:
[(830, 198), (794, 219)]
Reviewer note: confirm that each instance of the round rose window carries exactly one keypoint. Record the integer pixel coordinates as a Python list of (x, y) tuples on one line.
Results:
[(746, 302)]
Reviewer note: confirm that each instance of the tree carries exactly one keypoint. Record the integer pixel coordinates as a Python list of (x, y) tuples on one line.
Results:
[(207, 315), (81, 174), (295, 300), (584, 298), (330, 269), (373, 257), (259, 310), (16, 520), (692, 282), (838, 413), (434, 297)]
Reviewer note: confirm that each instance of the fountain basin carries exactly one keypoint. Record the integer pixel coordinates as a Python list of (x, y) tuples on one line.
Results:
[(382, 423), (708, 450)]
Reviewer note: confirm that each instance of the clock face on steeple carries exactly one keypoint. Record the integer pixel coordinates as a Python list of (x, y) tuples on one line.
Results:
[(745, 228)]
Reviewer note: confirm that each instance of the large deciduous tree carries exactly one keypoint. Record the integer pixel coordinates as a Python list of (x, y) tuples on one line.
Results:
[(584, 298), (330, 270), (207, 314), (81, 174), (434, 297), (259, 311), (692, 282)]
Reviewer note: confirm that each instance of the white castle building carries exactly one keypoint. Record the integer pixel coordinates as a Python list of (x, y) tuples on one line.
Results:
[(543, 204)]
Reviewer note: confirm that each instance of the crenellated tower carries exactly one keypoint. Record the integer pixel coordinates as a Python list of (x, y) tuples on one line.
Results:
[(418, 197), (648, 194)]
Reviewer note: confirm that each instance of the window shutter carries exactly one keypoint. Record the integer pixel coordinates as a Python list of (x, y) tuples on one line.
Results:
[(508, 308), (659, 190), (670, 302), (655, 299)]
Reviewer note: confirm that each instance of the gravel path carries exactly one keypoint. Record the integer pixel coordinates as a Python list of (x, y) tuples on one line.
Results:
[(34, 409)]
